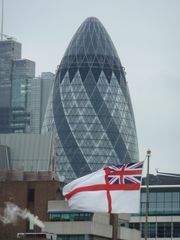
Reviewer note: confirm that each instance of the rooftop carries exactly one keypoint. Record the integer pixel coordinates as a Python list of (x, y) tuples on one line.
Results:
[(163, 179)]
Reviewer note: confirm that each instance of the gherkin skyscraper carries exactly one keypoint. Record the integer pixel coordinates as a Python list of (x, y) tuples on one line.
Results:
[(90, 108)]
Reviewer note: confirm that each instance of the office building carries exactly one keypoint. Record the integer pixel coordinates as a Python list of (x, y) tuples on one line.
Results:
[(15, 86), (23, 71), (68, 224), (90, 109), (40, 91), (9, 51), (163, 210)]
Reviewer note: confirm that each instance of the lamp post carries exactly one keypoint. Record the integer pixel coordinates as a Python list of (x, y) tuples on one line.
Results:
[(147, 196)]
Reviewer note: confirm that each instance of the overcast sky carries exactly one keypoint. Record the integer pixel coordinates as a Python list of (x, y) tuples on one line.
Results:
[(147, 37)]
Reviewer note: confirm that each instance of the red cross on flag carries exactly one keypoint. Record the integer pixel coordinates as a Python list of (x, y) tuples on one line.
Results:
[(114, 189)]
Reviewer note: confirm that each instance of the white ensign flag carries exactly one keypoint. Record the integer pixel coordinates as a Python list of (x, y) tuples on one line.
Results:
[(114, 189)]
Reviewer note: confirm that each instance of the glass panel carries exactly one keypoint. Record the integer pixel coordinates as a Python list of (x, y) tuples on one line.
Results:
[(175, 196), (152, 197), (152, 230), (160, 208), (176, 229), (167, 229), (152, 208), (143, 208), (167, 196), (160, 196), (160, 230), (75, 216), (167, 207), (175, 207)]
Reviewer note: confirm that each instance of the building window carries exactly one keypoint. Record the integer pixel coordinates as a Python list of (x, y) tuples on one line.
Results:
[(161, 203), (72, 237), (134, 226), (31, 195), (167, 230), (151, 230), (176, 229), (164, 230), (70, 217)]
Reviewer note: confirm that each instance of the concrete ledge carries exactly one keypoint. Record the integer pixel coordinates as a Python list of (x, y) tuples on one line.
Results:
[(73, 228), (128, 234)]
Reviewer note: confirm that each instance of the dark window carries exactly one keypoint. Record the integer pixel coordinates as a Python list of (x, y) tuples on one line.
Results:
[(31, 194), (160, 230), (167, 230), (70, 217), (152, 230), (176, 229)]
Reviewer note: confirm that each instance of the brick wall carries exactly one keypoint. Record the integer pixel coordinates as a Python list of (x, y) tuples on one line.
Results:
[(33, 195)]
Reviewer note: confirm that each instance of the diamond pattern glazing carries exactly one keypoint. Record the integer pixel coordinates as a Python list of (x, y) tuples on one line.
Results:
[(90, 106)]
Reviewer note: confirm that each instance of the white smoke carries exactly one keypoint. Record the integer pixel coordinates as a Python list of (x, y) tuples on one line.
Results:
[(12, 212)]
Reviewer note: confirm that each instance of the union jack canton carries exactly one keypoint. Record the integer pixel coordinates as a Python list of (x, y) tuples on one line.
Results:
[(128, 173)]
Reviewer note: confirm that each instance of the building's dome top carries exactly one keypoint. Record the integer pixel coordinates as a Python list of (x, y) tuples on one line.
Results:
[(91, 48), (91, 38)]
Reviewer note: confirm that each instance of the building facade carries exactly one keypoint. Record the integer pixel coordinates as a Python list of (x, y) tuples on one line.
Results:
[(9, 51), (163, 208), (40, 91), (75, 225), (27, 190), (26, 152), (90, 109), (23, 71), (15, 86), (41, 194)]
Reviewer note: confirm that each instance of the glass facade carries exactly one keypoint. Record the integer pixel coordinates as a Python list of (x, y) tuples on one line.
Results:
[(90, 107), (9, 51), (159, 229), (23, 72), (162, 202), (164, 212), (15, 84), (70, 216), (40, 91)]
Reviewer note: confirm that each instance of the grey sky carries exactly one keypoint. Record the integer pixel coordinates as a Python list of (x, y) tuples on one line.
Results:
[(147, 37)]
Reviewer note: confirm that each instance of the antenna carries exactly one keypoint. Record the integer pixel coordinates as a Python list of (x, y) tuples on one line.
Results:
[(2, 19)]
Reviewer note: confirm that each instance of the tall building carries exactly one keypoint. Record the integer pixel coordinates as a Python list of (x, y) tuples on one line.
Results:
[(23, 71), (9, 51), (90, 105), (15, 86), (40, 91)]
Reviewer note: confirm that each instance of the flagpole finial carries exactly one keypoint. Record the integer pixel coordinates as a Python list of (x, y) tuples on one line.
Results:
[(148, 153)]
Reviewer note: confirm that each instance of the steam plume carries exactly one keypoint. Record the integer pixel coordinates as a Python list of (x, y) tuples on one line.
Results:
[(13, 212)]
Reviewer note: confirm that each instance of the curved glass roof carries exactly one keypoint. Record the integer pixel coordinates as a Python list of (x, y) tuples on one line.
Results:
[(91, 47)]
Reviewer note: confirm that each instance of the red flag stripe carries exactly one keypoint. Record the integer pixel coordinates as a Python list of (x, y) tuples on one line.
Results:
[(103, 187), (125, 172), (108, 195)]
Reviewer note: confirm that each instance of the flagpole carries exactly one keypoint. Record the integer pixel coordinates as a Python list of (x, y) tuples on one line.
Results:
[(2, 19), (114, 223), (147, 196)]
